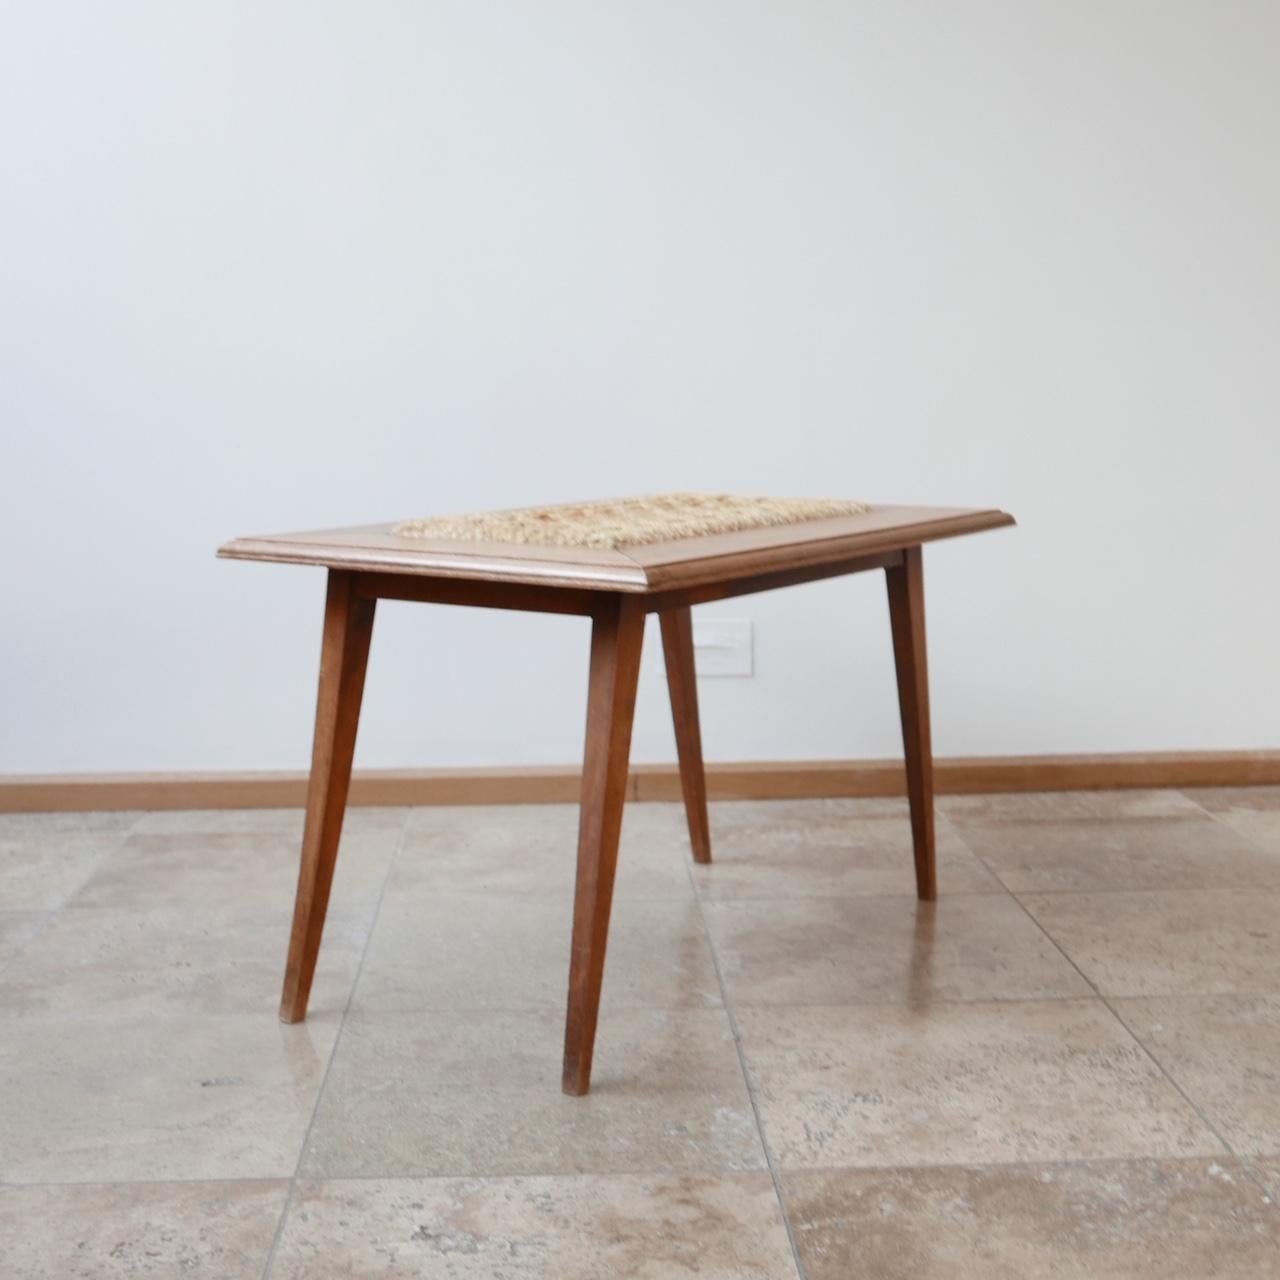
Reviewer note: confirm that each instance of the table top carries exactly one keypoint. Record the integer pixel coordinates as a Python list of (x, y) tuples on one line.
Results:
[(655, 566)]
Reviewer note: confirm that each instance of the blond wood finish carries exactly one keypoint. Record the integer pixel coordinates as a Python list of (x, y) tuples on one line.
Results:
[(677, 648), (348, 628), (617, 634)]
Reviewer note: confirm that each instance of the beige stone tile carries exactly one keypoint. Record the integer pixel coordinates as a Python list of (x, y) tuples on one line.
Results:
[(1123, 1220), (1236, 799), (647, 818), (41, 874), (17, 928), (46, 857), (847, 950), (872, 1085), (21, 826), (532, 849), (1191, 942), (231, 869), (1055, 806), (732, 814), (1224, 1053), (822, 819), (1195, 852), (502, 825), (1266, 1173), (1252, 812), (474, 951), (108, 1099), (437, 818), (218, 1230), (824, 848), (175, 960), (1260, 827), (479, 1093), (363, 819), (724, 1227)]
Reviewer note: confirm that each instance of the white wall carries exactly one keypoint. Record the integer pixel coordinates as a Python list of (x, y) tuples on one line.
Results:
[(273, 266)]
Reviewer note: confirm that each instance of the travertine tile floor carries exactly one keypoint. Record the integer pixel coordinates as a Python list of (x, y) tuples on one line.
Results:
[(1069, 1067)]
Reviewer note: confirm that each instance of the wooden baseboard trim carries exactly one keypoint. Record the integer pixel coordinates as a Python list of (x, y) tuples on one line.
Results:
[(765, 780)]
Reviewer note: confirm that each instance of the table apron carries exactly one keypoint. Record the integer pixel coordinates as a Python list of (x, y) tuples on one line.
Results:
[(586, 601), (726, 589)]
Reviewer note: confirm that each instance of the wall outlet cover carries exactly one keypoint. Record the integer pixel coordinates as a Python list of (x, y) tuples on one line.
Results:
[(723, 647)]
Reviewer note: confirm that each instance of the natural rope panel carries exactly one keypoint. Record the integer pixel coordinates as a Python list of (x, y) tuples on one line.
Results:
[(628, 522)]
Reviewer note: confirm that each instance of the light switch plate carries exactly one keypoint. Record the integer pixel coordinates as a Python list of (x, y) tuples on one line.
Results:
[(723, 647)]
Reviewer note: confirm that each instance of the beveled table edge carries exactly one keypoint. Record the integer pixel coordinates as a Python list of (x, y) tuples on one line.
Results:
[(653, 567)]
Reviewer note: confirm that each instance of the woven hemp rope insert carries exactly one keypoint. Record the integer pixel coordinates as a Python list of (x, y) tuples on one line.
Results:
[(628, 522)]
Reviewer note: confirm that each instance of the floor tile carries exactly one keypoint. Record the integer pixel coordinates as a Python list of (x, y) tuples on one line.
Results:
[(359, 819), (174, 960), (231, 869), (733, 814), (533, 849), (822, 848), (1266, 1173), (1193, 942), (1224, 1053), (218, 1230), (479, 1093), (474, 951), (17, 928), (46, 857), (1195, 852), (845, 950), (1054, 806), (431, 819), (871, 1085), (1140, 1220), (116, 1099), (947, 1056), (19, 826), (1253, 812), (725, 1227), (1264, 799)]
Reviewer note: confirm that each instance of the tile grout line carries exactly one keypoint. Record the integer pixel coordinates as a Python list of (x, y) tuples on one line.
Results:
[(55, 913), (1195, 1107), (1218, 819), (770, 1163), (1247, 1164), (658, 1171), (1242, 1161), (1106, 1004), (287, 1207)]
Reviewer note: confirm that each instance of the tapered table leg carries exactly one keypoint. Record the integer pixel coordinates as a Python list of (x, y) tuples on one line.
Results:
[(348, 627), (617, 634), (906, 617), (677, 648)]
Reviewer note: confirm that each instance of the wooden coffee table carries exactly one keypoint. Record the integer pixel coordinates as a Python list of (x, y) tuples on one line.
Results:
[(615, 588)]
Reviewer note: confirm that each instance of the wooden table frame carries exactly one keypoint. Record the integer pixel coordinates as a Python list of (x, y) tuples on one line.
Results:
[(368, 565)]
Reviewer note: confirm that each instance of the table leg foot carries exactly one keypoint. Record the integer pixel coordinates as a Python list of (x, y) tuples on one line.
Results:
[(617, 635), (906, 617), (348, 628), (677, 648)]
